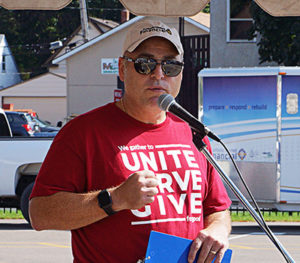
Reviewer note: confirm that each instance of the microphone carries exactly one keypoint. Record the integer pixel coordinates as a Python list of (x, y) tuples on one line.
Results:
[(167, 103)]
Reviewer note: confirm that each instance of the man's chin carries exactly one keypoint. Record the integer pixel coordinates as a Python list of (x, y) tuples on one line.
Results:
[(154, 101)]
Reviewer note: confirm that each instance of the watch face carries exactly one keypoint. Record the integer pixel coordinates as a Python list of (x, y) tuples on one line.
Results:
[(105, 202), (104, 198)]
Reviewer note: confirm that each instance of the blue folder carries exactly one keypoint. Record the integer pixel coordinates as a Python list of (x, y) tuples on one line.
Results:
[(172, 249)]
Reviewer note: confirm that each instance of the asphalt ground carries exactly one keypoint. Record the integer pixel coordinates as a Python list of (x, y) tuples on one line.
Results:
[(250, 244), (19, 243)]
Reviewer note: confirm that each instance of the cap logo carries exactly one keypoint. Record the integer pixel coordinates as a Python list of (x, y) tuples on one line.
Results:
[(156, 29)]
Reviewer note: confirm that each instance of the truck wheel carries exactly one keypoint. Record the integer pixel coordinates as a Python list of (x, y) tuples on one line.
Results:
[(24, 202)]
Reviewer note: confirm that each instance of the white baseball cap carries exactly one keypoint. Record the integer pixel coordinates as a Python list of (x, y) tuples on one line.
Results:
[(141, 31)]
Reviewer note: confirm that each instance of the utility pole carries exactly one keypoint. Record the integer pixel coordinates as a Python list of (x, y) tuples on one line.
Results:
[(84, 20)]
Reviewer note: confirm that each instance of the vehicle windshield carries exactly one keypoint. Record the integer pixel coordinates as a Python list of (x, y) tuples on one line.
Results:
[(40, 122), (29, 118)]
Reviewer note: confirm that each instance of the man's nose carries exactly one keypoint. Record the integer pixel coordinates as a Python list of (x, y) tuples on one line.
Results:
[(157, 72)]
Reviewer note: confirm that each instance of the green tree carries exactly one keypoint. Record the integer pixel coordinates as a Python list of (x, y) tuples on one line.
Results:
[(106, 9), (29, 33), (278, 37), (206, 9)]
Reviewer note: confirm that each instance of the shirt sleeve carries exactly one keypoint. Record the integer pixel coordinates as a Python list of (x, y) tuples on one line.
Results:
[(216, 198), (63, 168)]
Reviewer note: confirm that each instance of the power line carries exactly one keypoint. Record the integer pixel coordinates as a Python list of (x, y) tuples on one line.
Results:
[(28, 48), (37, 45), (73, 8), (96, 8), (18, 73), (43, 45)]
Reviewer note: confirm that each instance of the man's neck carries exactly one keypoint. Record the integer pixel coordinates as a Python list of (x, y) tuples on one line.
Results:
[(149, 116)]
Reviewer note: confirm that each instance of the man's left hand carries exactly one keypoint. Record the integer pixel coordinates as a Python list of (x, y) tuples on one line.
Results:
[(212, 241)]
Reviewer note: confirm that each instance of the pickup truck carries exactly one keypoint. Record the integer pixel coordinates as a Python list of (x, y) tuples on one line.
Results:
[(20, 161)]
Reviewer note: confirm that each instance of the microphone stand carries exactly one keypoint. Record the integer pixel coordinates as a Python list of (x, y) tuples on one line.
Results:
[(201, 146)]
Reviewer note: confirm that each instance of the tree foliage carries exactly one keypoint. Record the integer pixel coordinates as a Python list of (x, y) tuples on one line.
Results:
[(206, 9), (106, 9), (278, 38), (29, 33)]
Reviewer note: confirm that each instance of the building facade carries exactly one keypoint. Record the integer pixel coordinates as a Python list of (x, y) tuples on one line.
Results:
[(230, 45), (9, 74)]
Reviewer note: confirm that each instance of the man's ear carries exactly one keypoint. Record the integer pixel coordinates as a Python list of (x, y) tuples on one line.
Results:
[(121, 69)]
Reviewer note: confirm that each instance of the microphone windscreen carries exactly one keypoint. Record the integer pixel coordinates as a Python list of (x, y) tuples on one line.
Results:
[(164, 101)]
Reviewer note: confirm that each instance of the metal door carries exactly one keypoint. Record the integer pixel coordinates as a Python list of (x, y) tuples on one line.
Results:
[(196, 57)]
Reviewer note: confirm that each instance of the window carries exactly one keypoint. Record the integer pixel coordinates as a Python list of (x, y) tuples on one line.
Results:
[(3, 63), (16, 119), (4, 129), (239, 20), (292, 103)]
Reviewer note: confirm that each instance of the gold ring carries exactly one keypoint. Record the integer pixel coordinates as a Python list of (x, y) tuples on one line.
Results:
[(213, 252)]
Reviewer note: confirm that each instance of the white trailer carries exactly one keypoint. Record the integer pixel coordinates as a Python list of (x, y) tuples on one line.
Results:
[(255, 111)]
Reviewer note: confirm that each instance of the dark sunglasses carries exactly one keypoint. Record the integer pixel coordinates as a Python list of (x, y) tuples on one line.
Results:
[(145, 66)]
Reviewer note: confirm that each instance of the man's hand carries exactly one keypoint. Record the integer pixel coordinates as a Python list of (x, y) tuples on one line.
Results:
[(210, 245), (213, 240), (137, 191)]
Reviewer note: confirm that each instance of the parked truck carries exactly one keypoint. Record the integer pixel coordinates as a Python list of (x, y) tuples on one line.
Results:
[(255, 111), (20, 161)]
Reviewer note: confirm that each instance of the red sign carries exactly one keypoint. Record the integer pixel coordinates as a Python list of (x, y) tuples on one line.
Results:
[(117, 94)]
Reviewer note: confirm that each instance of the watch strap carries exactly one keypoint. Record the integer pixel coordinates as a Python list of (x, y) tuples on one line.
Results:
[(105, 202)]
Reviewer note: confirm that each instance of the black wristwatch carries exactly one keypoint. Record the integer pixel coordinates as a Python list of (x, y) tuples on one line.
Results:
[(105, 202)]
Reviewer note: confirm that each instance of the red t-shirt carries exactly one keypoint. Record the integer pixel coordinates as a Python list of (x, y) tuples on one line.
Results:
[(100, 149)]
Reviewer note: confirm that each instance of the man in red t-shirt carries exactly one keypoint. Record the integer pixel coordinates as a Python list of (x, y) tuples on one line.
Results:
[(116, 173)]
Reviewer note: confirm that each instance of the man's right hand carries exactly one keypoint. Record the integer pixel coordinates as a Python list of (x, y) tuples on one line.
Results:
[(137, 191)]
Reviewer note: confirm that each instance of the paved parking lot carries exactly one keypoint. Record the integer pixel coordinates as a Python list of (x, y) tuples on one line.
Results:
[(250, 244), (19, 243)]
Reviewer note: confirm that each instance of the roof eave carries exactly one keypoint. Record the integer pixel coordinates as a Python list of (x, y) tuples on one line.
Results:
[(96, 39), (197, 24)]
